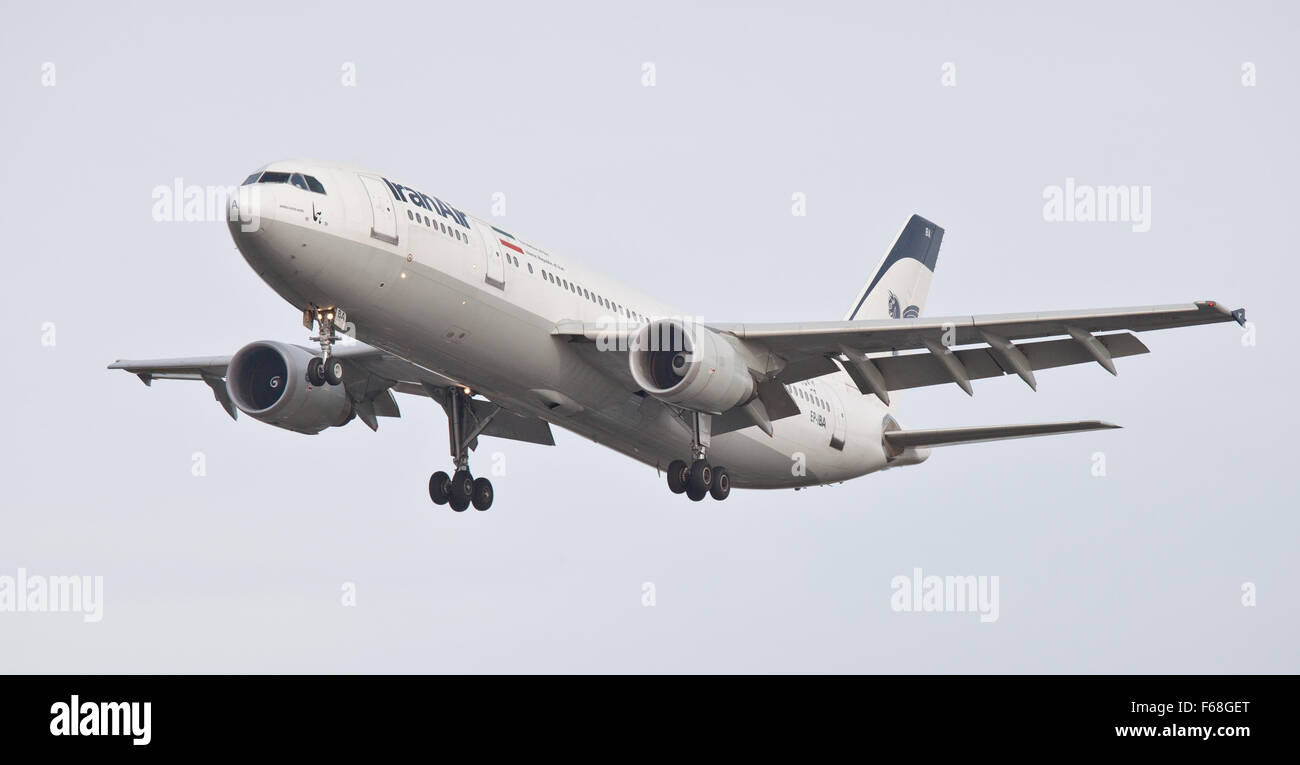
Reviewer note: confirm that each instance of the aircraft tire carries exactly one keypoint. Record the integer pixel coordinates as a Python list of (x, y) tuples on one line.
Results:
[(462, 490), (700, 478), (677, 476), (334, 371), (439, 484), (720, 487), (482, 494), (316, 372)]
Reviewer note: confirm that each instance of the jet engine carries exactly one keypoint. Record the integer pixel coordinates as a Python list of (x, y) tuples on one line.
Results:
[(268, 382), (690, 366)]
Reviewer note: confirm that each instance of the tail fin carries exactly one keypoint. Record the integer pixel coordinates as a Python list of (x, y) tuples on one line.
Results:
[(898, 287)]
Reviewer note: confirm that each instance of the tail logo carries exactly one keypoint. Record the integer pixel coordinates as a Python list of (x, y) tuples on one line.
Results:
[(894, 313)]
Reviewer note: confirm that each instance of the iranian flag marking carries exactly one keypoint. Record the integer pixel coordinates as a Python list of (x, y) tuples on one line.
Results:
[(509, 244)]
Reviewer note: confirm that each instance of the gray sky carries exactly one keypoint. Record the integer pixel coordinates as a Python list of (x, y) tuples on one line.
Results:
[(683, 190)]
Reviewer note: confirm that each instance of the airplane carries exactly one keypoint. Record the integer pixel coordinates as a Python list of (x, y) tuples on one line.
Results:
[(510, 339)]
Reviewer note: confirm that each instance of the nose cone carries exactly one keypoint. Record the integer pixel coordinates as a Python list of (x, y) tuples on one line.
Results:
[(249, 209), (244, 218), (266, 244)]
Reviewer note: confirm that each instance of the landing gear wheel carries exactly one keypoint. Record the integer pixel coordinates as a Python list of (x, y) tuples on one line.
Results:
[(316, 371), (720, 487), (482, 494), (696, 493), (462, 490), (333, 371), (439, 488), (700, 479), (678, 474)]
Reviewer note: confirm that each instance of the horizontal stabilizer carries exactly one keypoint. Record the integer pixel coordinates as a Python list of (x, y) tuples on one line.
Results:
[(902, 439)]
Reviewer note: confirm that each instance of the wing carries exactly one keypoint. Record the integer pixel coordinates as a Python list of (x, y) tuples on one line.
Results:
[(868, 350), (815, 349), (372, 375), (209, 369)]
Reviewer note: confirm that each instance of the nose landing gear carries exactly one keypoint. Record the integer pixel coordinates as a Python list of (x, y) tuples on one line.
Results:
[(699, 478), (326, 368), (461, 489)]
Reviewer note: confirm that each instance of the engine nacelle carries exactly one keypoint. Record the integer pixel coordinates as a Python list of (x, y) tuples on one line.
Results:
[(690, 366), (268, 382)]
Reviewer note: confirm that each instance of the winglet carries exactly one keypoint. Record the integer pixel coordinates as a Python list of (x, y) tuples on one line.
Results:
[(1238, 315)]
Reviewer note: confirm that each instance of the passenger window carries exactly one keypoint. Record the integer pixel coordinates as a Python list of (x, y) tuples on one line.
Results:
[(530, 268), (298, 181), (409, 216), (314, 185)]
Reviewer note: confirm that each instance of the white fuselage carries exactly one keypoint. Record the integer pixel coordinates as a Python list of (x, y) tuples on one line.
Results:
[(469, 301)]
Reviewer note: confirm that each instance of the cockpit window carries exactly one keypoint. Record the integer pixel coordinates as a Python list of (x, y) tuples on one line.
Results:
[(304, 182)]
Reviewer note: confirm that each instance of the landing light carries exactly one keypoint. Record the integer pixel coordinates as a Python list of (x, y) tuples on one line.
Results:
[(403, 274), (466, 389)]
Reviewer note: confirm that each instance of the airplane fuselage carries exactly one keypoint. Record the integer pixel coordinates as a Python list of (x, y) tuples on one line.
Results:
[(472, 302)]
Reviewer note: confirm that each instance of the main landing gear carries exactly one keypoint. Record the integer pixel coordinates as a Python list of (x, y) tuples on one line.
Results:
[(460, 489), (699, 478), (325, 369)]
